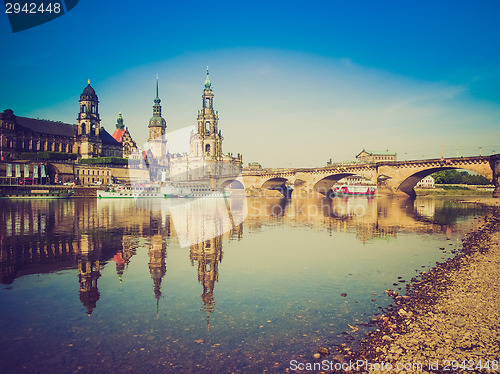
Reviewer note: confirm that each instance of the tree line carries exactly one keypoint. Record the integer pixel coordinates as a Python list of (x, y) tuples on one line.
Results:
[(459, 177)]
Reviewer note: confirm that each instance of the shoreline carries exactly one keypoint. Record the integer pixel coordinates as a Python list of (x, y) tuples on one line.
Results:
[(449, 319)]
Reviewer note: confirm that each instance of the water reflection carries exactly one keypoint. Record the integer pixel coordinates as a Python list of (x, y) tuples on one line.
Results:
[(278, 289), (48, 236)]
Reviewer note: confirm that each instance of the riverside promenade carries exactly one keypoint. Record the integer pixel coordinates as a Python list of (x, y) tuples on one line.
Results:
[(449, 319)]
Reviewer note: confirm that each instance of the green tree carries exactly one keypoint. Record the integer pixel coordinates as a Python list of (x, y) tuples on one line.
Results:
[(452, 176)]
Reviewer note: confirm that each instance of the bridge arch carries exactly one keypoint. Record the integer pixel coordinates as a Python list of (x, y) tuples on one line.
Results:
[(233, 184), (278, 184), (324, 185), (274, 183), (408, 184)]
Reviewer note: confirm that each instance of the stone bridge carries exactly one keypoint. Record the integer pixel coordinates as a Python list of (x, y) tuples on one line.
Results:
[(391, 177)]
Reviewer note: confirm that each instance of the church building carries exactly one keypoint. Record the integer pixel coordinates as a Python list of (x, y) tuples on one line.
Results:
[(205, 158)]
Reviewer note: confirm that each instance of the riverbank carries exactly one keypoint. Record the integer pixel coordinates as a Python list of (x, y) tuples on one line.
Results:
[(449, 319), (485, 201), (472, 192)]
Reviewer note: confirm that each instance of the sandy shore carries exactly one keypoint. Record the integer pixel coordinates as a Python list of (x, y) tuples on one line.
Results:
[(449, 319)]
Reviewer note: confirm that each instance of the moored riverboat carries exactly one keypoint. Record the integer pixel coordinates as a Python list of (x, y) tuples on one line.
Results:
[(123, 192), (194, 190), (36, 192), (354, 190), (166, 190)]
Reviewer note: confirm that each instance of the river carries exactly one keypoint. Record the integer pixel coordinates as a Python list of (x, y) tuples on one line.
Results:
[(240, 285)]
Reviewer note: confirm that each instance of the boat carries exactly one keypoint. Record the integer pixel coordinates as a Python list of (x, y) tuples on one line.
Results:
[(171, 190), (139, 191), (164, 190), (354, 190), (192, 190), (36, 192)]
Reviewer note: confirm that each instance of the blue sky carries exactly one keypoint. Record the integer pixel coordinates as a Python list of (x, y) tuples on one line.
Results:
[(296, 83)]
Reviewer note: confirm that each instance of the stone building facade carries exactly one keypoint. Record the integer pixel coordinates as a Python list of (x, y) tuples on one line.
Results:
[(86, 139), (375, 156), (23, 139)]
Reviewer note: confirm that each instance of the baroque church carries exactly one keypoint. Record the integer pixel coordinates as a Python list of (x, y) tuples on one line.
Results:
[(204, 159)]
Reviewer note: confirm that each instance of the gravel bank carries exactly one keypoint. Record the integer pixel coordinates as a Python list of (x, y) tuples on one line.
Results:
[(449, 320)]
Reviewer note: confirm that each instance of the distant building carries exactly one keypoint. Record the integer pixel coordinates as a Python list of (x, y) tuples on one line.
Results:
[(86, 139), (253, 166), (375, 156), (427, 182), (122, 135)]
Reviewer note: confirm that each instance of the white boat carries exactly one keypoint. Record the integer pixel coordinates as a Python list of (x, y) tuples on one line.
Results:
[(191, 190), (165, 190), (358, 190), (140, 191)]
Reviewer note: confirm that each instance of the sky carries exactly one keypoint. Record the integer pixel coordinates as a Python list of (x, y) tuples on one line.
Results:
[(296, 83)]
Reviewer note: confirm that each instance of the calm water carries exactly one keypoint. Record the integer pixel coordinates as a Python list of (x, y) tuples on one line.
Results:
[(195, 286)]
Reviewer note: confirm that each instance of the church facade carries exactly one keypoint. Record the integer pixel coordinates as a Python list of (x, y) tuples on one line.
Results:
[(204, 159)]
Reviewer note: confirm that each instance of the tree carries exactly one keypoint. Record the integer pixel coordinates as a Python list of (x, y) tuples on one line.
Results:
[(452, 176)]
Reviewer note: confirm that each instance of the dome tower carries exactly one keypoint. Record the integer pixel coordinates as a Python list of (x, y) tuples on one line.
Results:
[(89, 124)]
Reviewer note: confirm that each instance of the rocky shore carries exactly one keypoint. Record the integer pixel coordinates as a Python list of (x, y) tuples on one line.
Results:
[(449, 319)]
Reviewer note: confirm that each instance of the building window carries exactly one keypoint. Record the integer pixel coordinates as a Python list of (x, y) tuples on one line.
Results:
[(207, 149)]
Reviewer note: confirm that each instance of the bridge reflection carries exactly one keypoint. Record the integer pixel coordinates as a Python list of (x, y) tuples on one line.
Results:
[(89, 236)]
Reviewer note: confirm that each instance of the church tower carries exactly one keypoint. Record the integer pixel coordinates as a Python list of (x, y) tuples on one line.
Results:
[(89, 124), (157, 127), (209, 135)]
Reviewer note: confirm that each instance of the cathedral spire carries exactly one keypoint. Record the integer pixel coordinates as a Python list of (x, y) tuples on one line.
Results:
[(208, 84), (156, 84), (157, 101)]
